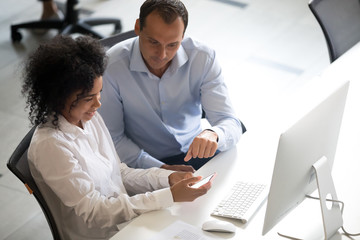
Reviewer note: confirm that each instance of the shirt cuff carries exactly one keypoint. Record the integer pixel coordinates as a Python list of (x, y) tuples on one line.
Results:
[(165, 198), (163, 177), (217, 137), (221, 136)]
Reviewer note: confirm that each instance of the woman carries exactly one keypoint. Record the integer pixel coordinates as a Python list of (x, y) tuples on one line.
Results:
[(72, 157)]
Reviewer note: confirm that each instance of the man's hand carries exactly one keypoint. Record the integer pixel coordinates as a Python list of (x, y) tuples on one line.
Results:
[(203, 146), (178, 176), (180, 168)]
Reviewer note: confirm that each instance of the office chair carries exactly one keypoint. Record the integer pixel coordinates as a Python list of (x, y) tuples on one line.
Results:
[(112, 40), (70, 24), (18, 165), (340, 23)]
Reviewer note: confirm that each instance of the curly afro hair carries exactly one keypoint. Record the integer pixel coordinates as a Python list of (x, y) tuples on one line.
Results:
[(56, 70)]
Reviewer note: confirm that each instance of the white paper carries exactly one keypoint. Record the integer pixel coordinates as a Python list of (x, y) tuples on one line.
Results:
[(181, 231)]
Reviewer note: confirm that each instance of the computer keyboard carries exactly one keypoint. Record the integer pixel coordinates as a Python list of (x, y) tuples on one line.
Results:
[(242, 201)]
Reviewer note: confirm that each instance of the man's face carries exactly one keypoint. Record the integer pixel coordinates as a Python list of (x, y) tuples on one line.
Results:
[(159, 41)]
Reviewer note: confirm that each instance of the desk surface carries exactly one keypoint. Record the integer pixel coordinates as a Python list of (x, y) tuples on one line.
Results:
[(253, 159)]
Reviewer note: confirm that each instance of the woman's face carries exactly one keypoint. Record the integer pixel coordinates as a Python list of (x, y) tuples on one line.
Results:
[(86, 106)]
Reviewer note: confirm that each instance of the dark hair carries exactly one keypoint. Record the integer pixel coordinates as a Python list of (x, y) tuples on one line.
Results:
[(168, 10), (56, 70)]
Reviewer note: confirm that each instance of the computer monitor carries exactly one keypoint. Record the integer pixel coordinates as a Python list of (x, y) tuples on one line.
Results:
[(313, 137)]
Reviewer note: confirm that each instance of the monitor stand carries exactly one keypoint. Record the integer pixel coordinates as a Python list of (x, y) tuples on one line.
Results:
[(331, 213), (308, 226)]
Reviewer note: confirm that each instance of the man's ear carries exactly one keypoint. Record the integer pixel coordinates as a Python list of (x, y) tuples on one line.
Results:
[(137, 27)]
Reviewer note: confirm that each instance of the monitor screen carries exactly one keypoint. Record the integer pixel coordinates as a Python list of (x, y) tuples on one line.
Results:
[(314, 135)]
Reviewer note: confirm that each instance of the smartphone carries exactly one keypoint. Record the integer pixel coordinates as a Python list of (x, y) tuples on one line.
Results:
[(204, 180)]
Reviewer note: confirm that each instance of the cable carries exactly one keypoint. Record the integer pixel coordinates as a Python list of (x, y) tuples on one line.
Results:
[(342, 210), (330, 200), (342, 227)]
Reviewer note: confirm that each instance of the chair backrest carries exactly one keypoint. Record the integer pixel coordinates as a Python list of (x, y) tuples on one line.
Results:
[(18, 165), (340, 23), (112, 40)]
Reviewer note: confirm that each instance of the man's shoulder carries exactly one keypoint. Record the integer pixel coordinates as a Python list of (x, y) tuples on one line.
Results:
[(125, 45), (194, 46), (121, 50)]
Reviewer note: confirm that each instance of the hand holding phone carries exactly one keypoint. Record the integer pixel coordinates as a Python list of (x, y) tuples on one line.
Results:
[(183, 191), (204, 180)]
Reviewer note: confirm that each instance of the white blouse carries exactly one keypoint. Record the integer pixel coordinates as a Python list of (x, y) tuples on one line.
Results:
[(87, 187)]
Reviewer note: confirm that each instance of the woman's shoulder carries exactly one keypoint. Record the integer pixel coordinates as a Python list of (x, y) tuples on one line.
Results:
[(46, 135), (44, 141)]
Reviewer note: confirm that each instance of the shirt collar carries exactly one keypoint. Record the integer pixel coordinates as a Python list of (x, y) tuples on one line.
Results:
[(137, 63), (71, 130)]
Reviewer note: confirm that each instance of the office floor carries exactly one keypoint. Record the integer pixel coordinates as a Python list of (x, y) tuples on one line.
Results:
[(268, 48)]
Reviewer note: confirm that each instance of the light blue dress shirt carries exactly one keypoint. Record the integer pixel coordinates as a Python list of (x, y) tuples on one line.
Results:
[(150, 118)]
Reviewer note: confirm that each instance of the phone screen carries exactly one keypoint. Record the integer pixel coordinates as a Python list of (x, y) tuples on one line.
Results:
[(204, 181)]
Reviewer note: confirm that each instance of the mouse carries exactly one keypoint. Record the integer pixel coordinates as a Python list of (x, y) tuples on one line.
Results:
[(218, 226)]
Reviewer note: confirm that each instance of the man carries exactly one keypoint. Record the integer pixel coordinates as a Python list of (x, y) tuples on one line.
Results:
[(155, 88)]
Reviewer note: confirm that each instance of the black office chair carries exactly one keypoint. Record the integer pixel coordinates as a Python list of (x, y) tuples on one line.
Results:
[(70, 24), (340, 23), (18, 165), (112, 40)]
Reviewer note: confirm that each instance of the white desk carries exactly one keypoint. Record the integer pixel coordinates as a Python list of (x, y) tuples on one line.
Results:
[(253, 160)]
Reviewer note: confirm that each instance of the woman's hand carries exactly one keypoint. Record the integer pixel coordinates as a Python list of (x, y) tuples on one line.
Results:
[(183, 192), (178, 176)]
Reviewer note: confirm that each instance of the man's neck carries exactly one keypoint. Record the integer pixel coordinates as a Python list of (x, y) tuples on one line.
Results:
[(158, 72)]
